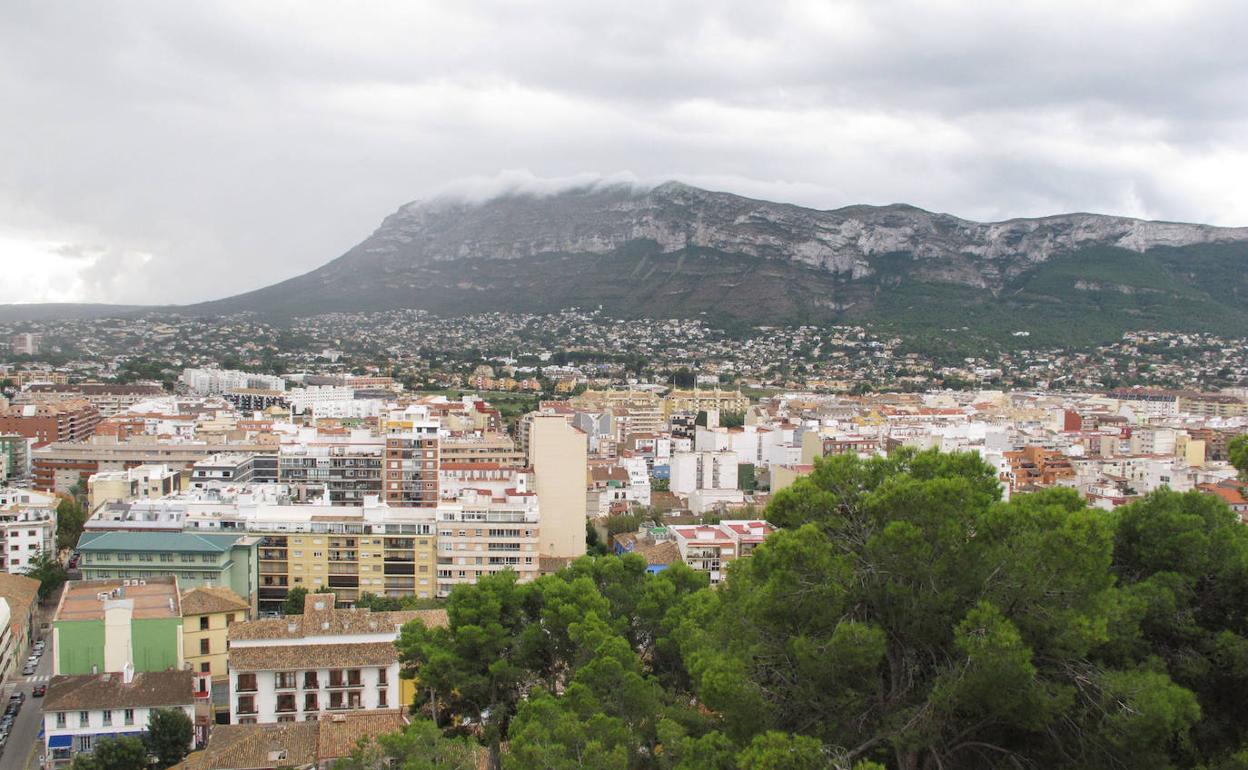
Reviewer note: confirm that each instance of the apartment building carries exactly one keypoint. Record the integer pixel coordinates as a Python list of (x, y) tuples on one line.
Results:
[(27, 527), (347, 472), (249, 400), (58, 467), (196, 559), (14, 460), (108, 398), (322, 662), (411, 458), (214, 382), (47, 423), (479, 535), (558, 455), (378, 549), (480, 447), (234, 469)]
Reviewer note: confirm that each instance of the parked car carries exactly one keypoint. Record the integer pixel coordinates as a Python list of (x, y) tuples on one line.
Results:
[(28, 670), (39, 691)]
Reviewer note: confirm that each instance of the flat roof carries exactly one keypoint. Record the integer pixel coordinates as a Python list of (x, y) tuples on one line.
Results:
[(155, 597)]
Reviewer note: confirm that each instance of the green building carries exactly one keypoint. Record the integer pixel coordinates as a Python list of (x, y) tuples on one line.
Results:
[(228, 561), (106, 625)]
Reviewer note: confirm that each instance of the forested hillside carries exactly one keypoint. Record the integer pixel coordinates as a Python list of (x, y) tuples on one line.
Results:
[(905, 618)]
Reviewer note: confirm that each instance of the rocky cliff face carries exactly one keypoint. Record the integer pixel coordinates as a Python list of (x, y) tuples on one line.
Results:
[(676, 216)]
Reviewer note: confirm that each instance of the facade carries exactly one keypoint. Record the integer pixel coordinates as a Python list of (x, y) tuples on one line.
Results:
[(46, 423), (710, 547), (20, 595), (109, 399), (226, 560), (14, 460), (57, 467), (322, 662), (27, 527), (106, 625), (558, 454), (479, 535), (348, 472), (256, 399), (207, 614), (214, 382), (411, 458), (80, 710)]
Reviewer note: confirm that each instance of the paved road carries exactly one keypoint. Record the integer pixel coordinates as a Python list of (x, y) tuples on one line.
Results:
[(24, 746)]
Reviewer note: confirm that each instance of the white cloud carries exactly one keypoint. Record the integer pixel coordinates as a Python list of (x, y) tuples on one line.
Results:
[(207, 149)]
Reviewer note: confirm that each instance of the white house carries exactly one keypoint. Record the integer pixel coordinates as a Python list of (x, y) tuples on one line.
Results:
[(80, 710)]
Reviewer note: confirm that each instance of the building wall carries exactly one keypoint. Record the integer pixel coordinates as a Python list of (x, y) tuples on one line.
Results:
[(77, 646), (559, 455), (95, 727), (216, 635), (266, 692)]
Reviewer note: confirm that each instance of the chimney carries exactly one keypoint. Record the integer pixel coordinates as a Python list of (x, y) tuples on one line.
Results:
[(127, 673)]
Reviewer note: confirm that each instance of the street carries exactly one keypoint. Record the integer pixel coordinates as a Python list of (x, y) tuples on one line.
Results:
[(24, 746)]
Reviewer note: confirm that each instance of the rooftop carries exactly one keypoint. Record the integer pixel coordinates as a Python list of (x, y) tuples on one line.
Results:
[(151, 598), (212, 599), (100, 691), (176, 542)]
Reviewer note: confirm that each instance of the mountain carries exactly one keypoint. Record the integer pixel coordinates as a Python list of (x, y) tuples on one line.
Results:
[(676, 250)]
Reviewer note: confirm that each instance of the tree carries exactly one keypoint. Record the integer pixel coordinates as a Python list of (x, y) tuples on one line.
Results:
[(295, 599), (419, 746), (475, 667), (70, 518), (126, 753), (49, 571), (1237, 452), (169, 734), (908, 615)]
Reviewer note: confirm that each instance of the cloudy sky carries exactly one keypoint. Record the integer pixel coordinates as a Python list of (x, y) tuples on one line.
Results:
[(171, 152)]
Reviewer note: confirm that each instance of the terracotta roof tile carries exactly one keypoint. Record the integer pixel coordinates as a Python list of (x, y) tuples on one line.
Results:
[(288, 657), (98, 691), (211, 599)]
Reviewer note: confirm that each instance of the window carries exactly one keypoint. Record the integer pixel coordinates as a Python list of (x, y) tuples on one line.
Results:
[(203, 623), (335, 700), (207, 558), (247, 704), (188, 557), (203, 647), (60, 719), (353, 699), (285, 702), (108, 718), (286, 680), (84, 742), (145, 557), (129, 716), (335, 679), (205, 668), (309, 702), (246, 683), (309, 680), (166, 557), (383, 696), (84, 718), (353, 677)]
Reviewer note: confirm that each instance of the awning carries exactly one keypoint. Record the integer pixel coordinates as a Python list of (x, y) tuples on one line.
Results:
[(60, 741)]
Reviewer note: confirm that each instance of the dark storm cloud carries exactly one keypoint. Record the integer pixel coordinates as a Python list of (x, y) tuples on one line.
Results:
[(208, 148)]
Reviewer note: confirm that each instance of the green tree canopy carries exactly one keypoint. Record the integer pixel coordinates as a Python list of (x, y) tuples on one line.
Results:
[(125, 753), (169, 734), (1237, 451), (419, 746)]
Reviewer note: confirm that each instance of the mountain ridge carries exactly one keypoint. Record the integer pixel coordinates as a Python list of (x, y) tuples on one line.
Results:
[(677, 250)]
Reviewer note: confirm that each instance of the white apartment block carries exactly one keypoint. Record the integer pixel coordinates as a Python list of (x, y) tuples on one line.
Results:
[(692, 471), (332, 401), (214, 382), (27, 527)]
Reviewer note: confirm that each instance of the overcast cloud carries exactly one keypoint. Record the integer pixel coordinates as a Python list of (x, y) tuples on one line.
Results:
[(170, 152)]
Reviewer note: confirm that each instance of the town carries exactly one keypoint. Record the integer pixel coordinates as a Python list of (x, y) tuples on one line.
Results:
[(243, 545)]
